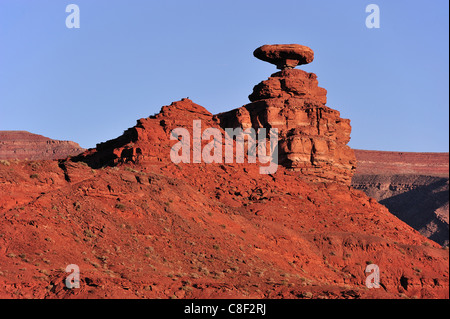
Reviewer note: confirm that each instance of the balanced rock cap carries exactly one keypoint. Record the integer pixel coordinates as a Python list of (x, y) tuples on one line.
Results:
[(285, 56)]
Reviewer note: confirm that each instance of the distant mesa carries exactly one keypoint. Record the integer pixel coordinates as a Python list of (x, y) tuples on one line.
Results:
[(23, 145), (285, 56)]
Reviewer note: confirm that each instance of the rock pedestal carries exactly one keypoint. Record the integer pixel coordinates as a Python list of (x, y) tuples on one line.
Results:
[(312, 137)]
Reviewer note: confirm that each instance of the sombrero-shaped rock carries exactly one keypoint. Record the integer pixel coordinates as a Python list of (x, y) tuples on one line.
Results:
[(285, 56)]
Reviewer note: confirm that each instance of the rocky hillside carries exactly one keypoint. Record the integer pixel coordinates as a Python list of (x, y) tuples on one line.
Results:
[(139, 225), (413, 186), (28, 146)]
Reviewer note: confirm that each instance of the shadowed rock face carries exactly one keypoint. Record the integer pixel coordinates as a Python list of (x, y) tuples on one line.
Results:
[(413, 186), (24, 145)]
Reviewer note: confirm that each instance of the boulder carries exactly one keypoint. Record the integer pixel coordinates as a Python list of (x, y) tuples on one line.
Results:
[(285, 56)]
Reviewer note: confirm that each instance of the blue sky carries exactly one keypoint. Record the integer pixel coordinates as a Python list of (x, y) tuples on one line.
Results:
[(129, 58)]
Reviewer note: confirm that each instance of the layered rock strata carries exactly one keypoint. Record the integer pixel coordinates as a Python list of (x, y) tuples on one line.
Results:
[(312, 137), (413, 186), (24, 145)]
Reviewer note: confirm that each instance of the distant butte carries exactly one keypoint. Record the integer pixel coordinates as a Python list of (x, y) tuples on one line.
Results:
[(285, 56)]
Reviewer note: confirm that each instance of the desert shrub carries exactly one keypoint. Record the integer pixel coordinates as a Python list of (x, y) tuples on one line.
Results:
[(5, 162), (89, 233), (120, 206)]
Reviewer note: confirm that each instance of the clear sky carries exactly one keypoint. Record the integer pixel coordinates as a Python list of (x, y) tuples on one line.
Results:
[(131, 57)]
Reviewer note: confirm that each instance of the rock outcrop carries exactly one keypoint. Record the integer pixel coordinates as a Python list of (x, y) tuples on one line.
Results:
[(23, 145), (148, 141), (312, 137)]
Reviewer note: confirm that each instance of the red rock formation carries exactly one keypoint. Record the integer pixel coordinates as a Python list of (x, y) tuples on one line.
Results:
[(312, 137), (24, 145), (148, 141), (285, 56)]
